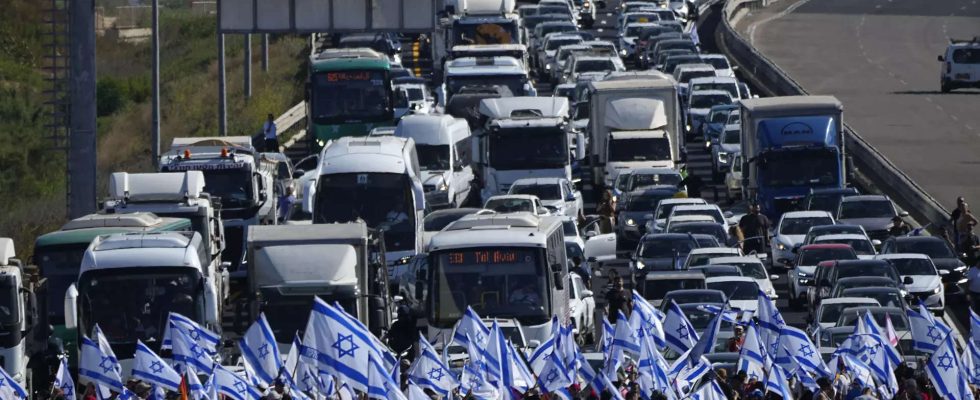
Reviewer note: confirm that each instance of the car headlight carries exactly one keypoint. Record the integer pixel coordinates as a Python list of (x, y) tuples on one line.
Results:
[(630, 222), (688, 126), (780, 246), (442, 187), (937, 290), (722, 157), (586, 5), (547, 67), (640, 265)]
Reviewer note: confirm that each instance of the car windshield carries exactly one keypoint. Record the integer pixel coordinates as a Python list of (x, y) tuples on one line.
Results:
[(737, 290), (656, 289), (800, 226), (506, 205), (830, 313), (514, 84), (436, 221), (646, 202), (640, 180), (932, 248), (554, 44), (59, 265), (817, 232), (729, 87), (867, 209), (553, 10), (543, 191), (640, 149), (811, 257), (718, 116), (634, 30), (849, 317), (845, 284), (665, 210), (9, 301), (528, 148), (713, 213), (717, 270), (717, 62), (131, 304), (568, 228), (751, 269), (350, 95), (664, 248), (485, 32), (642, 17), (913, 266), (700, 317), (433, 157), (861, 246), (732, 137), (875, 269), (381, 200), (698, 296), (800, 168), (715, 230), (594, 66), (966, 56), (709, 100), (695, 260), (885, 298)]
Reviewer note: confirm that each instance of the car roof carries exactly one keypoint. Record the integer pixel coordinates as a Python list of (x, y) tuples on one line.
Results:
[(805, 214), (835, 226), (655, 171), (871, 289), (539, 181), (657, 275), (716, 279), (874, 310), (711, 92), (691, 218), (842, 300), (715, 250), (819, 246), (901, 256), (650, 237), (841, 236), (864, 197), (917, 238), (685, 291), (715, 267), (731, 260), (865, 278), (685, 201), (695, 223)]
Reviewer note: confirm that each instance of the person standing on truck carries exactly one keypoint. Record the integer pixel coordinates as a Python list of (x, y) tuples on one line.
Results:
[(755, 227), (269, 132)]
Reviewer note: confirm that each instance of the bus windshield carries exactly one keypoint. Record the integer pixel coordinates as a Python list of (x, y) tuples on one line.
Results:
[(59, 265), (382, 200), (504, 282), (362, 96), (134, 303)]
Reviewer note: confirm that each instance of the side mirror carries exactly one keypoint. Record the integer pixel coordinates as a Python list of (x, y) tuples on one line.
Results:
[(298, 173), (903, 214), (728, 214), (943, 272), (907, 280), (71, 307), (875, 242), (398, 299), (309, 193), (542, 211), (773, 277), (533, 343), (586, 293), (940, 58), (210, 304)]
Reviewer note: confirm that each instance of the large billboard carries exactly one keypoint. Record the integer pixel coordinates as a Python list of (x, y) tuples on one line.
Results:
[(325, 16)]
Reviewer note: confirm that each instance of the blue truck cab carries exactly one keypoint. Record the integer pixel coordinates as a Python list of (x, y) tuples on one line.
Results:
[(790, 145)]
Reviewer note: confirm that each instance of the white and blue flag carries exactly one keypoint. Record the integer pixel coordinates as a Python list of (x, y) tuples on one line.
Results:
[(260, 351), (927, 332), (63, 380), (554, 379), (706, 343), (232, 385), (974, 327), (751, 358), (943, 369), (150, 368), (652, 370), (646, 321), (796, 348), (709, 391), (9, 388), (413, 392), (679, 334), (771, 323), (471, 325), (970, 362), (866, 325), (778, 382), (199, 334), (608, 332), (342, 348), (98, 367), (380, 384), (430, 372), (188, 352)]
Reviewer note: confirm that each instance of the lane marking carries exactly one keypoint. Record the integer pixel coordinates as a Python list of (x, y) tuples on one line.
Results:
[(903, 82), (953, 117), (751, 29), (929, 99), (968, 127)]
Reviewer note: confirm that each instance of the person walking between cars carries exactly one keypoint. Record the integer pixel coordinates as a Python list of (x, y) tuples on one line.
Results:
[(899, 227), (617, 300), (755, 227), (269, 133), (962, 223), (969, 244), (693, 183)]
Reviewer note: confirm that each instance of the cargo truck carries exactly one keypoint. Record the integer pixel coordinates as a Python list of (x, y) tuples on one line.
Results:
[(342, 263), (474, 22), (790, 145), (634, 110), (18, 314)]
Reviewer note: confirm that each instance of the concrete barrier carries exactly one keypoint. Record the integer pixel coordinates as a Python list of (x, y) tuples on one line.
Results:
[(871, 164)]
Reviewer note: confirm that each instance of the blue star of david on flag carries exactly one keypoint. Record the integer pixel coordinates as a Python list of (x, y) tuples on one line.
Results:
[(339, 345)]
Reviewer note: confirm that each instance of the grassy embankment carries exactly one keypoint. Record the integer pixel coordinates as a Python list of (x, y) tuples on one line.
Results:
[(32, 176)]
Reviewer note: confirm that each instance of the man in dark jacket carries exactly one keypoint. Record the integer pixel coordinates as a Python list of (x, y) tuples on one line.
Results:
[(755, 228)]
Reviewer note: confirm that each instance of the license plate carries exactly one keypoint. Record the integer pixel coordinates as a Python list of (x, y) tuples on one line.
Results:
[(963, 76)]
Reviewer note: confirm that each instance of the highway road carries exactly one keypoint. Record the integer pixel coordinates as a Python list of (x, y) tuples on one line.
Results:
[(879, 58)]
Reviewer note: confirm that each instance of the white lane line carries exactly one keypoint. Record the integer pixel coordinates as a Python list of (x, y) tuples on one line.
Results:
[(968, 127), (903, 82), (878, 6), (929, 99), (938, 107), (953, 117), (751, 29)]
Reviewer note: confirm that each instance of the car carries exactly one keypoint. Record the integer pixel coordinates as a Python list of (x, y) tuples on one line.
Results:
[(722, 67), (829, 311), (830, 338), (641, 178), (926, 286), (862, 246), (884, 295), (701, 256), (655, 285), (633, 211), (804, 266), (717, 270), (662, 252), (862, 282), (753, 268), (709, 210), (436, 220), (619, 183), (681, 43), (722, 147), (838, 228), (791, 230), (711, 228), (549, 48), (684, 73), (900, 321), (873, 212), (510, 203), (700, 103), (705, 240), (728, 84), (939, 251), (684, 219), (557, 63), (828, 272), (582, 309), (557, 194), (827, 199), (628, 36), (961, 65), (659, 220), (733, 179), (742, 291), (671, 62), (580, 64), (698, 296), (716, 123), (565, 90), (412, 96)]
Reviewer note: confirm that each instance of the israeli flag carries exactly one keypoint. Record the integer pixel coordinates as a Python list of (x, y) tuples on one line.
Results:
[(413, 392), (866, 325), (471, 325), (625, 337), (927, 333), (150, 368), (652, 370), (771, 323), (750, 357), (380, 384), (540, 354), (855, 369), (646, 321), (608, 332), (100, 338), (210, 389), (63, 380), (429, 371), (201, 335), (679, 333), (974, 327), (599, 382), (554, 379), (706, 343), (9, 389), (709, 391), (387, 357), (796, 348), (196, 390), (943, 369), (98, 367), (882, 359), (778, 382), (523, 378), (232, 385), (188, 352), (342, 349), (566, 347), (970, 361), (260, 351), (685, 380), (474, 382)]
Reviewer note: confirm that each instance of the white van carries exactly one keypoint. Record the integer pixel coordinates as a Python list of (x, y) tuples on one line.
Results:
[(961, 65), (443, 147)]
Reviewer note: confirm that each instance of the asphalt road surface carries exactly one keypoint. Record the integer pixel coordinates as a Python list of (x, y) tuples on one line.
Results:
[(879, 58)]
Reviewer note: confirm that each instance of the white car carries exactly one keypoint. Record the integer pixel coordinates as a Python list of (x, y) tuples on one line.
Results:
[(710, 210), (582, 307), (864, 247), (556, 193), (829, 311), (742, 291), (791, 230), (664, 208), (961, 65), (510, 203), (927, 285), (804, 267), (751, 267), (569, 225), (733, 179), (702, 256), (687, 218)]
